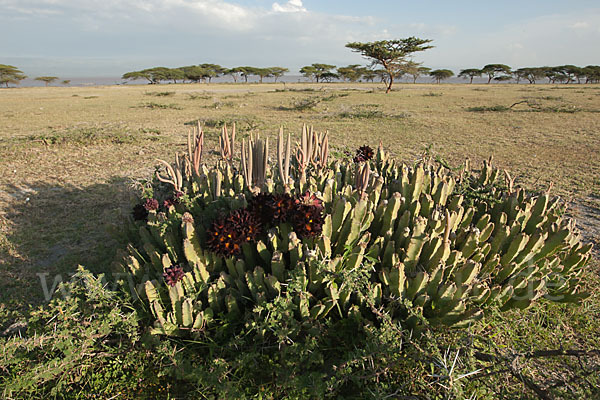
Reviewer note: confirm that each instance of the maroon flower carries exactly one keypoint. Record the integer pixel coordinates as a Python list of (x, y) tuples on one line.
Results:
[(227, 235), (307, 220), (151, 204), (168, 203), (309, 199), (282, 205), (173, 275), (271, 209)]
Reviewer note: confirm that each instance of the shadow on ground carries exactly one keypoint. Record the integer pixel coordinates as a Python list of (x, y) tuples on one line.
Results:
[(51, 229)]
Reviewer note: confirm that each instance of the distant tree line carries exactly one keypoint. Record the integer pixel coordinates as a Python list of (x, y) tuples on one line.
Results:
[(204, 73), (351, 73), (558, 74)]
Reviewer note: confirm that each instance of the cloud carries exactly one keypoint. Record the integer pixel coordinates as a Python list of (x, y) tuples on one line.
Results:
[(580, 25), (290, 6), (183, 32), (553, 39), (286, 33)]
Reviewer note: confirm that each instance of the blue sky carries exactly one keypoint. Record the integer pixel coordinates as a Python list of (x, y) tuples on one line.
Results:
[(109, 37)]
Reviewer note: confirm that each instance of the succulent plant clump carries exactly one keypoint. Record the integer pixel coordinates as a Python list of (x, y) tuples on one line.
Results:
[(434, 247)]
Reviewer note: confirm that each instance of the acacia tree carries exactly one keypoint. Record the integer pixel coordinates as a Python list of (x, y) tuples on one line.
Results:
[(262, 73), (592, 74), (318, 72), (441, 74), (470, 73), (10, 74), (529, 73), (153, 75), (390, 54), (492, 70), (368, 74), (350, 73), (277, 72), (135, 75), (309, 72), (247, 72), (46, 79), (415, 70)]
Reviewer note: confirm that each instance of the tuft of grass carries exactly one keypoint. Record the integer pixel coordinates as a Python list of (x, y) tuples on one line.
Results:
[(297, 90), (242, 122), (194, 96), (306, 104), (160, 94), (88, 136), (367, 111), (153, 131), (159, 106), (497, 108), (220, 104), (361, 114), (433, 94)]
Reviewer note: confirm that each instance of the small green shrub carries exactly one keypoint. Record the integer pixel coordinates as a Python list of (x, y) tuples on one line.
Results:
[(160, 94), (85, 343), (194, 96), (244, 123), (87, 136), (497, 108), (307, 104), (159, 106)]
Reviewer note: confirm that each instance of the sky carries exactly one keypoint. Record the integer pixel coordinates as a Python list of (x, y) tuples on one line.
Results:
[(82, 38)]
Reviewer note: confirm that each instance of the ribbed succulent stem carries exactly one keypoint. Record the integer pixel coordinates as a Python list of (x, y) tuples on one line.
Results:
[(227, 144), (195, 147)]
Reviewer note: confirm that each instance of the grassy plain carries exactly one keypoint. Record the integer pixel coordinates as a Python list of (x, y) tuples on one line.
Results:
[(70, 157)]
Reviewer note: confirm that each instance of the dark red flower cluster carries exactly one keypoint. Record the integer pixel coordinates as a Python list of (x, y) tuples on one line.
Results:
[(151, 204), (172, 200), (307, 220), (173, 275), (271, 209), (310, 200), (304, 212), (363, 153), (227, 235)]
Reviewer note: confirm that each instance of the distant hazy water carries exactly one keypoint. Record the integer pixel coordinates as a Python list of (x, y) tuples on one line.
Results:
[(101, 81)]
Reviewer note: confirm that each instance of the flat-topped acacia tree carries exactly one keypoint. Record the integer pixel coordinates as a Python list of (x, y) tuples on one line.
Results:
[(10, 74), (470, 73), (441, 74), (390, 54), (46, 79)]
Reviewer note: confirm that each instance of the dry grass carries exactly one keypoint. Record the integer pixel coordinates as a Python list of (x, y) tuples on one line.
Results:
[(68, 155)]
